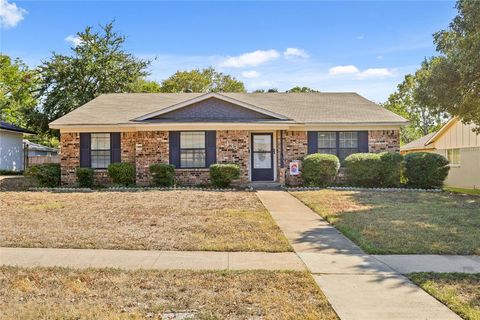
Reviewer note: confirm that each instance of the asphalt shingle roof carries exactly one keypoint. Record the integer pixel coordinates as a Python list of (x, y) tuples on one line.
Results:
[(419, 143), (323, 107)]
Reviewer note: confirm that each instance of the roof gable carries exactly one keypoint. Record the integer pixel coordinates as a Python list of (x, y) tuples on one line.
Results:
[(212, 106)]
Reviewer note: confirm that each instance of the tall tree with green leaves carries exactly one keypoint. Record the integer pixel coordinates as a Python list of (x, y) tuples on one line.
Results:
[(454, 82), (204, 80), (301, 89), (145, 86), (18, 86), (412, 101), (98, 64)]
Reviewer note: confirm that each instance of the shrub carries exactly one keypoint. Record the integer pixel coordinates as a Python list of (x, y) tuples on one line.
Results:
[(425, 170), (122, 173), (391, 165), (10, 173), (84, 177), (363, 169), (163, 174), (374, 169), (222, 175), (319, 169), (47, 175)]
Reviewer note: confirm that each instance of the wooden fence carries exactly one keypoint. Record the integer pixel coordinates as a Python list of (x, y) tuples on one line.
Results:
[(43, 159)]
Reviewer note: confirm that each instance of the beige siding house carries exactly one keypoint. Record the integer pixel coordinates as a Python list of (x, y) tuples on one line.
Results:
[(460, 145)]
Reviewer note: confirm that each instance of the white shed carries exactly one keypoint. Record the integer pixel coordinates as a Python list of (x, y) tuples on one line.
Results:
[(11, 147)]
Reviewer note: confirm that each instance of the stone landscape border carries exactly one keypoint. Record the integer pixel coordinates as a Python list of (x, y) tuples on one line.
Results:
[(360, 189), (128, 189)]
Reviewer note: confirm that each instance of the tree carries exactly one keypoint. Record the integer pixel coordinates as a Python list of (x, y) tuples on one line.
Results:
[(145, 86), (205, 80), (98, 64), (412, 101), (455, 77), (302, 89), (17, 91)]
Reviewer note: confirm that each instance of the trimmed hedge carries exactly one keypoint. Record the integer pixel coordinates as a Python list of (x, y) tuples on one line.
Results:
[(122, 173), (221, 175), (85, 177), (319, 169), (374, 169), (163, 174), (47, 175), (425, 170)]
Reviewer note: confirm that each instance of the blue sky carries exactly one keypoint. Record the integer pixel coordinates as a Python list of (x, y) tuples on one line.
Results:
[(365, 47)]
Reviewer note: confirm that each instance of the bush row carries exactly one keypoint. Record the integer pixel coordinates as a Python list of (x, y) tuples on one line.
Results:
[(48, 175), (380, 170)]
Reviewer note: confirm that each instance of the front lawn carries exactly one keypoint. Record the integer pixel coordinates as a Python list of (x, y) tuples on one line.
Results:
[(463, 190), (151, 220), (459, 291), (401, 222), (57, 293)]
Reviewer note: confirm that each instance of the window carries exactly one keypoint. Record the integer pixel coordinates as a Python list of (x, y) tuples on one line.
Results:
[(453, 156), (100, 147), (341, 144), (327, 142), (348, 144), (192, 149)]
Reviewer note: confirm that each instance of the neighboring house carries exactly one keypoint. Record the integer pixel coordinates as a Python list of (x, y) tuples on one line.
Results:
[(261, 132), (460, 145), (11, 147), (37, 150)]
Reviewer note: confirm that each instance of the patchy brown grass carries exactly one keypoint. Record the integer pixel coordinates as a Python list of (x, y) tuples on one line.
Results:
[(151, 220), (57, 293), (459, 291), (402, 222)]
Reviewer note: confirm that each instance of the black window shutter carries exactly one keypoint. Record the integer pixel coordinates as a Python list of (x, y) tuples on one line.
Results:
[(115, 147), (312, 139), (363, 141), (211, 147), (85, 150), (174, 148)]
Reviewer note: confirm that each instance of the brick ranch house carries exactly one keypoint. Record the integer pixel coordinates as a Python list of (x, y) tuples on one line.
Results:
[(262, 132)]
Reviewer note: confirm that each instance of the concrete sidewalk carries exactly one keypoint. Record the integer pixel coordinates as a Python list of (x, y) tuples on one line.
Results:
[(431, 263), (357, 285), (146, 259)]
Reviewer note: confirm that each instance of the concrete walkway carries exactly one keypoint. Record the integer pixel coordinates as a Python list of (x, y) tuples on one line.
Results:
[(357, 285), (149, 259), (431, 263)]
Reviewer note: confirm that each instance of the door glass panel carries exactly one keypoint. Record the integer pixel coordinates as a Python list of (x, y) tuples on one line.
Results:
[(262, 143), (262, 160)]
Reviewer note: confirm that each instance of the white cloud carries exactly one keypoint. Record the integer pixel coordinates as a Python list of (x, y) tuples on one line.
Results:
[(250, 59), (74, 40), (250, 74), (360, 37), (341, 70), (380, 57), (376, 73), (370, 73), (10, 14), (296, 52)]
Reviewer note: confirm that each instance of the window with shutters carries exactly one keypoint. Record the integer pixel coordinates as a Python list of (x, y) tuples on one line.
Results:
[(100, 150), (342, 144), (192, 149)]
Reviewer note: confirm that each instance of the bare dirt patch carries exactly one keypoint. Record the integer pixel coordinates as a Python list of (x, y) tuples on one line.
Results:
[(151, 220), (41, 293)]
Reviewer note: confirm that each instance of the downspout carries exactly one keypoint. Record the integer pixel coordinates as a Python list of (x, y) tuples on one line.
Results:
[(282, 161)]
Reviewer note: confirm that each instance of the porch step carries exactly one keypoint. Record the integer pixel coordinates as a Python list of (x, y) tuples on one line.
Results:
[(265, 185)]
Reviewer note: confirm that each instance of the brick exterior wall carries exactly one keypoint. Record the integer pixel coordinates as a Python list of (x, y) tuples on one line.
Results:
[(150, 147), (233, 146), (383, 140), (69, 157), (295, 147), (143, 148)]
